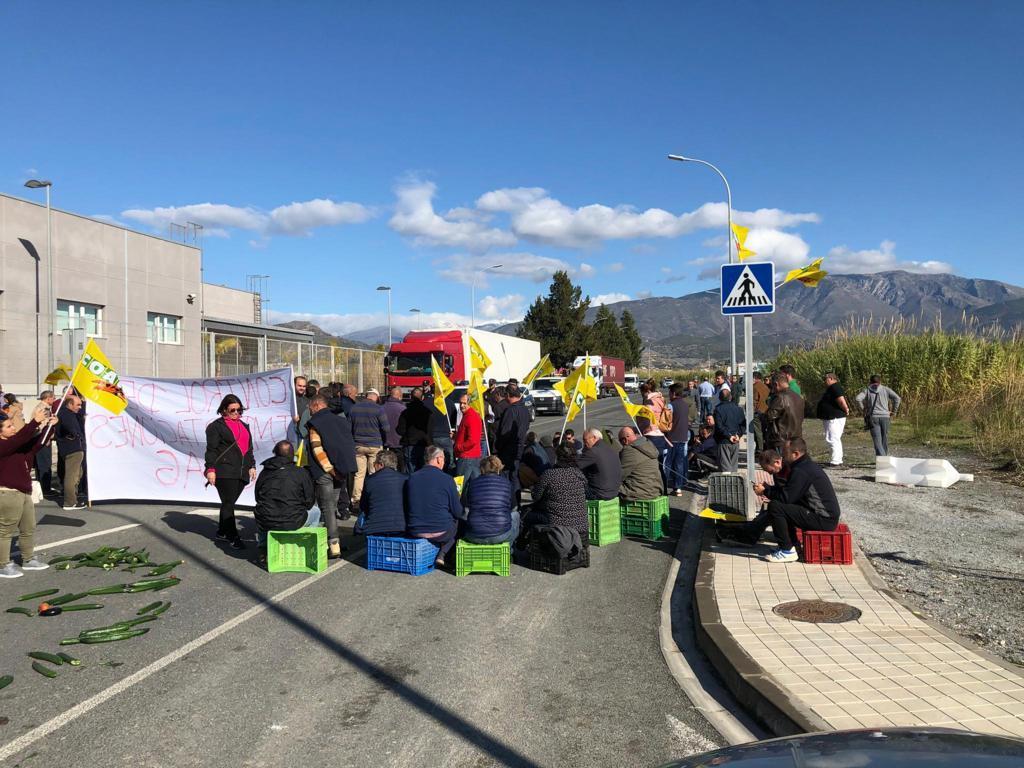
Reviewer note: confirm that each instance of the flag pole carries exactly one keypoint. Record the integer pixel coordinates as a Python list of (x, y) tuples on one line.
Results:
[(586, 373)]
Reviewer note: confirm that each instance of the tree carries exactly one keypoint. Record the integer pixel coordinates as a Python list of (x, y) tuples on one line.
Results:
[(605, 337), (557, 321), (634, 345)]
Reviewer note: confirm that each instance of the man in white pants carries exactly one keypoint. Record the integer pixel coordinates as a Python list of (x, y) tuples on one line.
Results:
[(833, 410)]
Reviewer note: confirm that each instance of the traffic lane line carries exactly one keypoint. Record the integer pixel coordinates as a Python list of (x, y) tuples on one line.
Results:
[(84, 536), (42, 731)]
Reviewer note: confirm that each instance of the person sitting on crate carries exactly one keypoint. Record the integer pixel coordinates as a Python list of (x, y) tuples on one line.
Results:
[(433, 507), (488, 503), (807, 500), (382, 505), (641, 471), (560, 495), (284, 497), (703, 456), (600, 464)]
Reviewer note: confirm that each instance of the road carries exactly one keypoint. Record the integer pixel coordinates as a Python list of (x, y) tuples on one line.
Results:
[(347, 667)]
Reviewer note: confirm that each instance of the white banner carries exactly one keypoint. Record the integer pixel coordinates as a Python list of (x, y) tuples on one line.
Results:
[(154, 451)]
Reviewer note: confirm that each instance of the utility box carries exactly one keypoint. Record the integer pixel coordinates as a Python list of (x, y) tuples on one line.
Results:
[(730, 493)]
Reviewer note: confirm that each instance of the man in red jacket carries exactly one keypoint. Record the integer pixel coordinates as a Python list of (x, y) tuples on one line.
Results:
[(467, 441)]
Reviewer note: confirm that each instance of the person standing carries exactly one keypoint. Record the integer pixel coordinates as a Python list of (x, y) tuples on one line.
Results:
[(692, 395), (467, 441), (393, 410), (679, 437), (369, 431), (761, 395), (332, 458), (439, 427), (784, 418), (706, 392), (721, 385), (833, 410), (730, 425), (511, 435), (790, 373), (230, 464), (44, 454), (71, 449), (879, 404), (17, 512), (412, 428)]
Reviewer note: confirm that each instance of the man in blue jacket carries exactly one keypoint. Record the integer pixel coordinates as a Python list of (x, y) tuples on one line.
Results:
[(383, 501), (432, 503), (730, 424), (369, 431)]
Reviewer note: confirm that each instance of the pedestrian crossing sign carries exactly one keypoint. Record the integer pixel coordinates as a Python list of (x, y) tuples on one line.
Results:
[(748, 289)]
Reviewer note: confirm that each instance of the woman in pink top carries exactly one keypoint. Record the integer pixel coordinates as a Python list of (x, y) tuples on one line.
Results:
[(230, 464)]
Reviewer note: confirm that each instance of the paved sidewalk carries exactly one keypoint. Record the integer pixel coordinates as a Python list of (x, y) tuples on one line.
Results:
[(889, 668)]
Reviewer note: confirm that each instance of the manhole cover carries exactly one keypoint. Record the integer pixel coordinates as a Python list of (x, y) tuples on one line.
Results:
[(817, 611)]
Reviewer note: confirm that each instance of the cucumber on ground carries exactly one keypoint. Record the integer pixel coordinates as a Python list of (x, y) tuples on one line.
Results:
[(82, 607), (21, 610), (69, 659), (68, 598), (161, 609), (41, 593), (44, 656), (44, 670), (111, 590), (6, 680), (114, 636), (149, 607)]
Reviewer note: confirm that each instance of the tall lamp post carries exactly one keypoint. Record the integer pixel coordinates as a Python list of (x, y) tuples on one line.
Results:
[(51, 306), (388, 289), (728, 236), (416, 312), (472, 294)]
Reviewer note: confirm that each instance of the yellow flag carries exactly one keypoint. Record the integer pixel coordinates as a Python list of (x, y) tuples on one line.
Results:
[(578, 388), (810, 275), (460, 481), (96, 381), (727, 517), (57, 375), (567, 386), (542, 368), (635, 411), (476, 394), (442, 387), (740, 234), (301, 459), (477, 357)]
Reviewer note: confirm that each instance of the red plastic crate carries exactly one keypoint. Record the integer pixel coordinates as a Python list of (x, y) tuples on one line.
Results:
[(827, 547)]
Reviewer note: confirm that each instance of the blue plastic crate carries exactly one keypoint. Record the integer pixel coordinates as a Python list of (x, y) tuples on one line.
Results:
[(415, 556)]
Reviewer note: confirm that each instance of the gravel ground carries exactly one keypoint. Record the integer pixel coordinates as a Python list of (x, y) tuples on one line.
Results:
[(956, 554)]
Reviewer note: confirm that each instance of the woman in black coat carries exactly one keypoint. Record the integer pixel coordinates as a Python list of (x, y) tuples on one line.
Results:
[(230, 464)]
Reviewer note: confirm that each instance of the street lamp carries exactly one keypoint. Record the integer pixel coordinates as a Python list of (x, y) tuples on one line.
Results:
[(51, 311), (728, 235), (472, 293), (388, 289), (417, 313)]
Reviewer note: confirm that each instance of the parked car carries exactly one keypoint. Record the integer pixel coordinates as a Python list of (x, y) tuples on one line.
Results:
[(527, 398), (666, 383), (631, 382), (546, 399)]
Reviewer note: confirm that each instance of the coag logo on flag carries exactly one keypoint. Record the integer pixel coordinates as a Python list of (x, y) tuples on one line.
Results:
[(97, 381)]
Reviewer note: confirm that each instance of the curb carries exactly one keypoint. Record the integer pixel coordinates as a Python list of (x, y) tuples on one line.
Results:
[(693, 677), (752, 686)]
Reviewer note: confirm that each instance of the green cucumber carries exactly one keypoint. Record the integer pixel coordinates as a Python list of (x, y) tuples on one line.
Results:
[(41, 593), (160, 570), (114, 636), (82, 607), (111, 590), (43, 670), (20, 609), (5, 681), (44, 656), (149, 607), (161, 609), (61, 559), (68, 598), (70, 641), (69, 659), (132, 622)]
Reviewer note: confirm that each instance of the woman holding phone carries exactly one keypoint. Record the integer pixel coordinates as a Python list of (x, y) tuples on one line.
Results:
[(230, 464)]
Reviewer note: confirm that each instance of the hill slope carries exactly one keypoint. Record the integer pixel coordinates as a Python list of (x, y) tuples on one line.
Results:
[(320, 336)]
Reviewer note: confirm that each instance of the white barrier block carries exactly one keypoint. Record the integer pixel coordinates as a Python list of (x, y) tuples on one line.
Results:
[(928, 473)]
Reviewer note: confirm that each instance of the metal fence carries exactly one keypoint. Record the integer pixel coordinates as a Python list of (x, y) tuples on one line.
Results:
[(231, 355)]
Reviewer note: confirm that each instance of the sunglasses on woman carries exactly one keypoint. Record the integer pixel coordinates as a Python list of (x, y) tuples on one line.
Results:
[(234, 410)]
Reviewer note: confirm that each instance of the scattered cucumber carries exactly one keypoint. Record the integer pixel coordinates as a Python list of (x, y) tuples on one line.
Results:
[(149, 607), (113, 636), (111, 590), (44, 656), (19, 609), (161, 609), (41, 593), (69, 659), (44, 670), (5, 681), (82, 607), (68, 598)]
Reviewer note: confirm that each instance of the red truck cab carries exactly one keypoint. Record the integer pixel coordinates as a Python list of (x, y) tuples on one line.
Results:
[(407, 364)]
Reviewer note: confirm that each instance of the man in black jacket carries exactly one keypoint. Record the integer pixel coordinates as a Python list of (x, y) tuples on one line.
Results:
[(510, 440), (414, 429), (600, 463), (807, 500), (730, 424), (284, 496), (332, 458), (70, 441)]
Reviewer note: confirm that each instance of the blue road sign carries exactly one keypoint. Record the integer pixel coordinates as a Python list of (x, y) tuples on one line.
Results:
[(748, 289)]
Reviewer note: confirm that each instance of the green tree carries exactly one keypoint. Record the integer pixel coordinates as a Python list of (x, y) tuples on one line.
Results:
[(557, 321), (634, 345), (605, 337)]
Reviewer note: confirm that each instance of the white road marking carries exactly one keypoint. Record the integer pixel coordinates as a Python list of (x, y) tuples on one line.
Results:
[(85, 536), (42, 731), (685, 739)]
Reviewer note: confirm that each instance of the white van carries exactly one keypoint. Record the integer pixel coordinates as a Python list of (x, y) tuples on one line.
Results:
[(631, 383)]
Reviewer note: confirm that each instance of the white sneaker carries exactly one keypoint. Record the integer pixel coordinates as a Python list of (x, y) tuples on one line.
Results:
[(34, 564), (76, 506), (781, 556), (11, 571)]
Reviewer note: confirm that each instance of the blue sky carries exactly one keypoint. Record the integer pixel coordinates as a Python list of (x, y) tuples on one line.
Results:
[(338, 146)]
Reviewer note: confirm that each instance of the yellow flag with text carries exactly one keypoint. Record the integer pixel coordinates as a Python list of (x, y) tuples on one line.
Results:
[(442, 386), (476, 394), (810, 275), (477, 357), (740, 235), (577, 389), (97, 381), (634, 410), (542, 368)]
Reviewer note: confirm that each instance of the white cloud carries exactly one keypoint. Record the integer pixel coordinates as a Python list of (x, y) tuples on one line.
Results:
[(843, 260), (616, 266), (644, 294), (608, 298), (786, 249), (465, 268), (536, 216), (501, 309), (416, 219), (217, 218), (666, 270), (344, 324)]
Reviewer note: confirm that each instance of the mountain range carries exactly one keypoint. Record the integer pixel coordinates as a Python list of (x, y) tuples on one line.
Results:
[(687, 330)]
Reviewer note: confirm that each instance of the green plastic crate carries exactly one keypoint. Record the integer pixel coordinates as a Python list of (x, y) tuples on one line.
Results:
[(635, 525), (482, 558), (654, 510), (300, 551), (604, 522)]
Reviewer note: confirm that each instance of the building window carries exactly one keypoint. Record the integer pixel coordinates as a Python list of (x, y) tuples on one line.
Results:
[(166, 329), (73, 315)]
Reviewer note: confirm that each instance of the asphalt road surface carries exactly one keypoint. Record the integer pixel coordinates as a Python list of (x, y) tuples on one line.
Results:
[(347, 667)]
